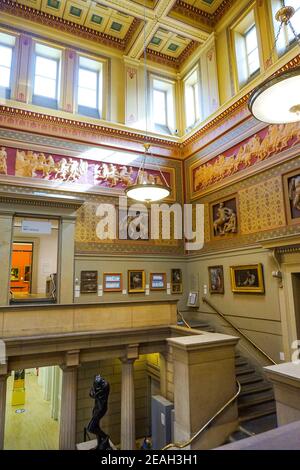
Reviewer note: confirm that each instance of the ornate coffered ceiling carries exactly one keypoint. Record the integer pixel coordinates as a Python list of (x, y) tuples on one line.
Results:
[(173, 28)]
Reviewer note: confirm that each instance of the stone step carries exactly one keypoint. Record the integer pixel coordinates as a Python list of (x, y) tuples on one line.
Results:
[(257, 411), (240, 361), (249, 400), (250, 379), (244, 370), (255, 388)]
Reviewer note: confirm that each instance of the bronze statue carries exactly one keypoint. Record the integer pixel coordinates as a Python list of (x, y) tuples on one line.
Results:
[(100, 392)]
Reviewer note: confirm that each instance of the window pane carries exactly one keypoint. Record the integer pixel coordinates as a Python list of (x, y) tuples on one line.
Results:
[(46, 67), (4, 77), (251, 40), (295, 20), (87, 98), (190, 106), (253, 61), (5, 56), (87, 79), (45, 87), (159, 107)]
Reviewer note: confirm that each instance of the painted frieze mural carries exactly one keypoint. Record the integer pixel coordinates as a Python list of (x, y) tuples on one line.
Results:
[(68, 171), (270, 141)]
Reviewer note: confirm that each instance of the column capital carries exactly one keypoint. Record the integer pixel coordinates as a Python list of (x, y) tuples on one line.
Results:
[(72, 360), (131, 354)]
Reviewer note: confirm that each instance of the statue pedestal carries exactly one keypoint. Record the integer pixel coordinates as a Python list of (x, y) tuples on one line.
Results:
[(90, 445)]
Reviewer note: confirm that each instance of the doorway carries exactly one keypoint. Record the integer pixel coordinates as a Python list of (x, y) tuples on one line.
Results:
[(32, 409), (34, 260)]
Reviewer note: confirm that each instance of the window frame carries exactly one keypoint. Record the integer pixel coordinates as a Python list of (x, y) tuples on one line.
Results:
[(248, 53), (238, 29), (289, 45), (6, 92), (198, 111), (87, 111), (40, 100), (169, 87)]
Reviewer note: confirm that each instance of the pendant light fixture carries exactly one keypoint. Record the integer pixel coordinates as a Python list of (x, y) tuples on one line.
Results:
[(148, 188), (277, 100)]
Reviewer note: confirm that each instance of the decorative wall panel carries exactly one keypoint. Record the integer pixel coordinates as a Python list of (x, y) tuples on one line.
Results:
[(261, 146), (262, 206), (74, 174)]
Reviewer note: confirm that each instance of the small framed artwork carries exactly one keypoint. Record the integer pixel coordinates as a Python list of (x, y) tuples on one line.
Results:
[(216, 279), (176, 288), (112, 282), (158, 281), (247, 279), (291, 184), (176, 281), (89, 282), (136, 281), (224, 218), (14, 274), (192, 299)]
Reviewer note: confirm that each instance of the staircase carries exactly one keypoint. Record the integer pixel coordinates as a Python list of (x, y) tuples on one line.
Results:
[(256, 404)]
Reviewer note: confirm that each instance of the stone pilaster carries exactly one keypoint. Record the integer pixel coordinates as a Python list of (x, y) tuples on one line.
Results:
[(128, 400), (3, 379), (67, 432)]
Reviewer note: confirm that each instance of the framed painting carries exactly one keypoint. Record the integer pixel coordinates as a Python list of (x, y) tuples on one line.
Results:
[(291, 185), (112, 282), (224, 218), (14, 274), (216, 279), (89, 282), (136, 281), (247, 279), (158, 281), (176, 281)]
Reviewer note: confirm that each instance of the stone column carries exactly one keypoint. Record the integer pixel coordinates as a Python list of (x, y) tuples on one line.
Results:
[(204, 380), (67, 432), (127, 400), (3, 379)]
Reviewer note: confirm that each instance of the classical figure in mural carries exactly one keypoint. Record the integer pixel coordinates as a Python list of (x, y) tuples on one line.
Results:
[(225, 221), (99, 392), (294, 192), (256, 149), (3, 161)]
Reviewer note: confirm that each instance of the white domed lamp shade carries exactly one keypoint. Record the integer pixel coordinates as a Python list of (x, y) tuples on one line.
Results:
[(148, 192), (277, 100)]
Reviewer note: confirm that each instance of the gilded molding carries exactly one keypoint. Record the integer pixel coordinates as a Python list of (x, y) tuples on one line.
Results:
[(211, 19), (61, 24), (160, 58), (71, 125)]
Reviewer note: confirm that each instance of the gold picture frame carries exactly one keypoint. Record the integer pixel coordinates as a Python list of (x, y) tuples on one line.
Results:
[(136, 281), (247, 279), (216, 279)]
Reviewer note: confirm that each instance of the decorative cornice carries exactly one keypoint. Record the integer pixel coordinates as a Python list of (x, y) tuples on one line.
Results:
[(61, 24), (211, 19), (95, 128), (41, 199), (235, 107), (170, 61)]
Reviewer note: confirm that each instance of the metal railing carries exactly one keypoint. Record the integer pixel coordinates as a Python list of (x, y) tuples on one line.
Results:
[(206, 301), (181, 445)]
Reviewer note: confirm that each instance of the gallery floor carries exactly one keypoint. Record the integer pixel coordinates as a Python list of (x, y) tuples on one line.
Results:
[(33, 429)]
